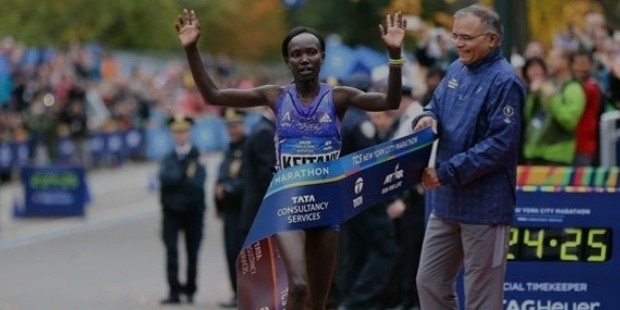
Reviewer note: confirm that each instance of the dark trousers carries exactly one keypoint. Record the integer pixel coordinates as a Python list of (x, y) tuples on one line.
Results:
[(411, 231), (369, 253), (232, 243), (191, 224)]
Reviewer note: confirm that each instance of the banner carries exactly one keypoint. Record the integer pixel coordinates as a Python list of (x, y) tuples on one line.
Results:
[(318, 195), (54, 191)]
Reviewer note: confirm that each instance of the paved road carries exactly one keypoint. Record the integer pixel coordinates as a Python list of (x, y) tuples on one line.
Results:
[(110, 259)]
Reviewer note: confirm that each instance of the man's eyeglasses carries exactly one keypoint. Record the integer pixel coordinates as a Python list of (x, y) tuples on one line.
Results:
[(467, 38)]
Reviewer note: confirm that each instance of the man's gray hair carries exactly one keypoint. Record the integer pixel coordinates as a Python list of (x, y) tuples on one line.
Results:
[(489, 18)]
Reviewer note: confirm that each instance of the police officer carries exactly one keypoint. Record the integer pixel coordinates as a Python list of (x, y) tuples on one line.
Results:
[(182, 195), (229, 194), (369, 245)]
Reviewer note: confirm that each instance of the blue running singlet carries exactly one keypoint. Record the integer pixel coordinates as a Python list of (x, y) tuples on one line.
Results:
[(306, 134)]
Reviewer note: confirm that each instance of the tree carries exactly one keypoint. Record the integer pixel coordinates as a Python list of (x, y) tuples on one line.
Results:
[(565, 13), (246, 29), (355, 21), (612, 12), (60, 22), (230, 26)]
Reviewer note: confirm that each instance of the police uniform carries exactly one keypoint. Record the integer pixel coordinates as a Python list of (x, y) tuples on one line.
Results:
[(182, 198), (229, 205)]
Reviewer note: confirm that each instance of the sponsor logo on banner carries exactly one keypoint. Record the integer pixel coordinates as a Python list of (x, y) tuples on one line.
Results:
[(359, 186), (393, 180), (305, 208), (531, 304)]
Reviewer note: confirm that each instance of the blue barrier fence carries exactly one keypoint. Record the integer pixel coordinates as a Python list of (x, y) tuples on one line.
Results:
[(209, 134)]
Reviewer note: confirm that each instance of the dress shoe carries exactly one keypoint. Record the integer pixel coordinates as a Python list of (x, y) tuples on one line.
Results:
[(171, 300), (188, 294), (229, 304)]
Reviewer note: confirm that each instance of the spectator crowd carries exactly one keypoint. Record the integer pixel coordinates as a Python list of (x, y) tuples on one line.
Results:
[(49, 96)]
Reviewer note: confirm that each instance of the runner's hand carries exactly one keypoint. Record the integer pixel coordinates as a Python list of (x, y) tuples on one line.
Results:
[(188, 28), (393, 34)]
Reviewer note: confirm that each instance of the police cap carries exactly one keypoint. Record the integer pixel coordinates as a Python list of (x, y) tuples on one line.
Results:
[(180, 122), (232, 115)]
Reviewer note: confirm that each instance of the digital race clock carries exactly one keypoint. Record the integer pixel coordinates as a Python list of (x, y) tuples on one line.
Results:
[(562, 242)]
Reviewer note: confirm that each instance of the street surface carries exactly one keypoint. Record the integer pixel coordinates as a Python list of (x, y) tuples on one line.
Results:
[(110, 259)]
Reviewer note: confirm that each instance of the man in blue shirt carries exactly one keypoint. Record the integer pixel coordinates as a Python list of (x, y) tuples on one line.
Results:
[(476, 111)]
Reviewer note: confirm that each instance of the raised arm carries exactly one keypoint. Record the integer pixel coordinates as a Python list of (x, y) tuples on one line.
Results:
[(188, 30), (393, 35)]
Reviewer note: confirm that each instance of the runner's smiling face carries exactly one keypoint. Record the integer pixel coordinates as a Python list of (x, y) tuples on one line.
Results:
[(304, 57)]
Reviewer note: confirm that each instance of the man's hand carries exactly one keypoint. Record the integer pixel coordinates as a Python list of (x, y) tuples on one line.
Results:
[(188, 28), (393, 34), (426, 121), (430, 179)]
